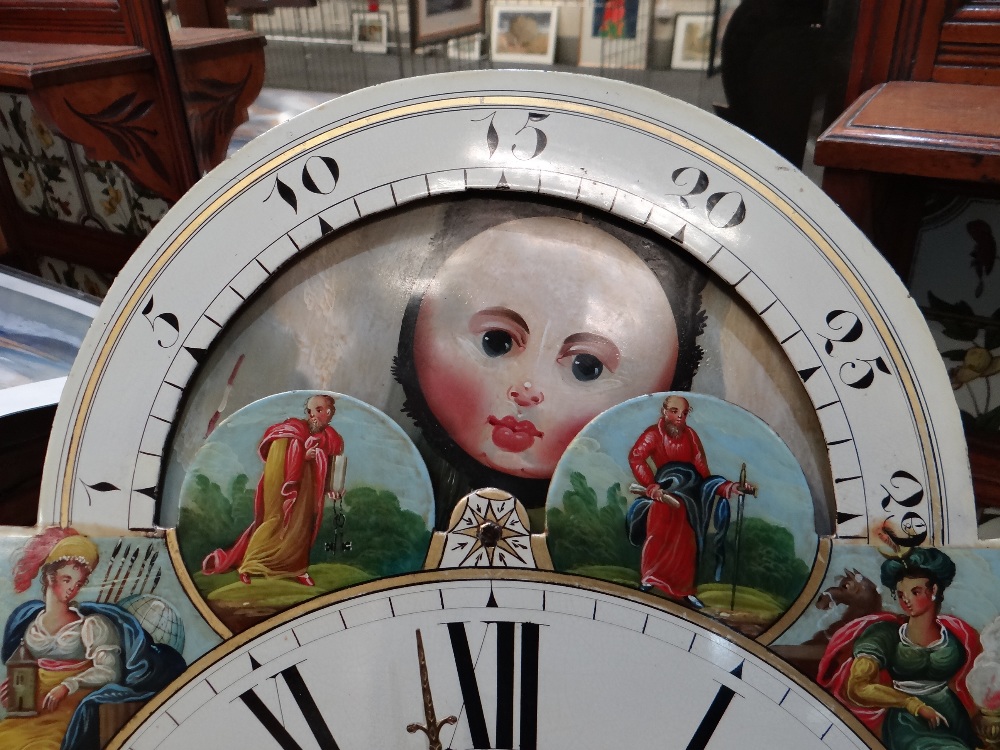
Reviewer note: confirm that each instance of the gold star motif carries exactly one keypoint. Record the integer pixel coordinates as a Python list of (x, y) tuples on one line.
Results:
[(510, 528)]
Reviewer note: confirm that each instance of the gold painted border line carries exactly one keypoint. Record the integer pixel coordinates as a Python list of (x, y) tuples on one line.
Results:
[(821, 564), (509, 100), (193, 594)]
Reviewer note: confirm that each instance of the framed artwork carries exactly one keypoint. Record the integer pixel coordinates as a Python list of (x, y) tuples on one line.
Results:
[(614, 33), (41, 329), (692, 42), (370, 32), (614, 19), (524, 35), (438, 20)]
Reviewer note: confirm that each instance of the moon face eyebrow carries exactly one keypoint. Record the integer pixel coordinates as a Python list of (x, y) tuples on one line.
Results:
[(504, 313), (592, 343)]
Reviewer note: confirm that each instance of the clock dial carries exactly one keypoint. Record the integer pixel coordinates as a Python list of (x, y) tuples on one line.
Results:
[(524, 252), (491, 664), (768, 234)]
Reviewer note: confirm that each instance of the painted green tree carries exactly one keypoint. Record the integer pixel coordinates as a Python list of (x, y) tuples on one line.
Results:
[(588, 538), (767, 560), (210, 518), (385, 538)]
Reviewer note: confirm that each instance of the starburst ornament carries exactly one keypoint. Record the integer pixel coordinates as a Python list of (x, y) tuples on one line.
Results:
[(489, 529)]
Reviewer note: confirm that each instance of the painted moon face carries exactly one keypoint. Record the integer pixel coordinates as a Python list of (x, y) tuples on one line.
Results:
[(528, 331)]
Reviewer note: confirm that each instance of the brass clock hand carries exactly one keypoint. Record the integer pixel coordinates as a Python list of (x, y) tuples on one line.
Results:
[(433, 727)]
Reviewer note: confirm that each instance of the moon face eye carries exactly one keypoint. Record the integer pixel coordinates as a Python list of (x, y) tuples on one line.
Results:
[(587, 367), (497, 343)]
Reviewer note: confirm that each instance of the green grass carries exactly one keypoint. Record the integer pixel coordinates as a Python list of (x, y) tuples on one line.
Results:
[(613, 573), (719, 596), (280, 592)]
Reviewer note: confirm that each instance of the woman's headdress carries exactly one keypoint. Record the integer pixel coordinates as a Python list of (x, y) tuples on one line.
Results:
[(76, 548), (922, 562), (55, 544)]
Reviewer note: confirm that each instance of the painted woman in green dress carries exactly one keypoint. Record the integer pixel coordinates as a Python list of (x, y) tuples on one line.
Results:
[(905, 676)]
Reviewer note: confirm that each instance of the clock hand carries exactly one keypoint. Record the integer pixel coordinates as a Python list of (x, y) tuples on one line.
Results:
[(433, 727)]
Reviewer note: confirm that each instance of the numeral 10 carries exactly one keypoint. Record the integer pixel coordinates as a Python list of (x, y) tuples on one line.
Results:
[(320, 175)]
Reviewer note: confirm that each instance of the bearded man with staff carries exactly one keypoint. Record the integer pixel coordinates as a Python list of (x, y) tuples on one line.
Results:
[(681, 501)]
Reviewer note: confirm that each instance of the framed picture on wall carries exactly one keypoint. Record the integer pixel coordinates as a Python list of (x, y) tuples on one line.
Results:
[(524, 34), (615, 33), (370, 32), (439, 20), (692, 42)]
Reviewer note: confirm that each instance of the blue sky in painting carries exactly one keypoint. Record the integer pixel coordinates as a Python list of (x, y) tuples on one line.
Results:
[(379, 454)]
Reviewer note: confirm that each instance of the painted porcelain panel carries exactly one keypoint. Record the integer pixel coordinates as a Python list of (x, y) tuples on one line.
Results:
[(54, 178)]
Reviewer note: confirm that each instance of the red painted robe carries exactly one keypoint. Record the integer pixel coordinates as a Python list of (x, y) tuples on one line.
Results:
[(298, 440), (670, 552)]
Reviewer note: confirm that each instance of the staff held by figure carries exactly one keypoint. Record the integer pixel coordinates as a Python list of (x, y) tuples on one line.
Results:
[(744, 490)]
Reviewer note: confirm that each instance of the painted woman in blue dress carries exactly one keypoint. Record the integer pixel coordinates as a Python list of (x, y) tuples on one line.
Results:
[(87, 654)]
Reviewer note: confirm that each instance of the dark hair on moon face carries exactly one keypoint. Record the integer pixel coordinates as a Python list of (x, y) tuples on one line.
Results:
[(469, 215), (921, 562)]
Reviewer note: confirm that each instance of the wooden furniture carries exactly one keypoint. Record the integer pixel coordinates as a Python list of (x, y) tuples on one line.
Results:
[(143, 113), (22, 452), (923, 115), (899, 140)]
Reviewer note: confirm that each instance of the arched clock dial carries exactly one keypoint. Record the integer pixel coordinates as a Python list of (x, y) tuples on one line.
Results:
[(841, 318), (628, 201), (469, 662)]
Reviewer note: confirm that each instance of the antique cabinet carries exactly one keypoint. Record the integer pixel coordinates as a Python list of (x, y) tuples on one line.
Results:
[(920, 124)]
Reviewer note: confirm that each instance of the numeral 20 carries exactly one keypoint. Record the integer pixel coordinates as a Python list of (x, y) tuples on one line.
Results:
[(724, 210)]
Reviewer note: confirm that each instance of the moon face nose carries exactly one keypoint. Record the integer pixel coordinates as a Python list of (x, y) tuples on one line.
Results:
[(526, 396)]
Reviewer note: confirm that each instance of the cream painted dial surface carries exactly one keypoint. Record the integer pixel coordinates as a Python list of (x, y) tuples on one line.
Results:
[(836, 310), (508, 663)]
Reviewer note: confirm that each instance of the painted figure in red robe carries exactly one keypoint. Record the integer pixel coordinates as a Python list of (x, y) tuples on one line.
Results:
[(674, 537), (299, 456)]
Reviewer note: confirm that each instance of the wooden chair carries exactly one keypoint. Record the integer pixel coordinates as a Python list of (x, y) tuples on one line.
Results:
[(106, 120)]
